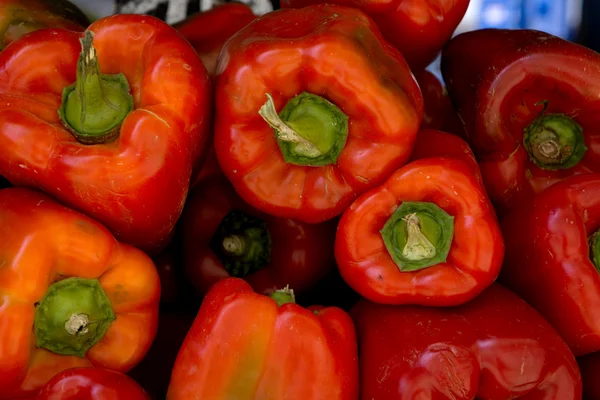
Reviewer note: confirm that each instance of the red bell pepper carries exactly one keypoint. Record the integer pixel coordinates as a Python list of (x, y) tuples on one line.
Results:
[(428, 235), (529, 101), (349, 110), (124, 146), (72, 296), (439, 113), (209, 30), (549, 262), (19, 17), (418, 28), (494, 347), (222, 236), (590, 369), (91, 384), (247, 346)]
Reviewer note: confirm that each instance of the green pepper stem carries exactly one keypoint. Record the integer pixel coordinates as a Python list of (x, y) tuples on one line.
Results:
[(310, 130), (554, 141), (594, 242), (242, 243), (73, 316), (283, 296), (94, 107), (418, 235)]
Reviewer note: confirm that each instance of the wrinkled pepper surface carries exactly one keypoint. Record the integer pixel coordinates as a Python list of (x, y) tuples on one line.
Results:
[(111, 126), (87, 383), (428, 235), (553, 258), (72, 296), (223, 236), (418, 28), (247, 346), (19, 17), (313, 109), (529, 102), (209, 30), (495, 347)]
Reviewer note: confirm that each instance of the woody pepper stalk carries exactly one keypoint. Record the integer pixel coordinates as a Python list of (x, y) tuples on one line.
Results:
[(72, 295), (427, 236), (293, 352), (223, 236), (553, 258), (318, 113), (111, 124), (528, 102)]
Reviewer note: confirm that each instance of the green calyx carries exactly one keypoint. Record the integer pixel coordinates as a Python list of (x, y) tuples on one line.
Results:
[(418, 235), (94, 107), (594, 242), (72, 317), (554, 141), (242, 243), (310, 130), (283, 296)]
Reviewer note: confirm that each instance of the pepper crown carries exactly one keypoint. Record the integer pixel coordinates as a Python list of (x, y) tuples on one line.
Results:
[(554, 141), (72, 317), (418, 235), (310, 130), (94, 107)]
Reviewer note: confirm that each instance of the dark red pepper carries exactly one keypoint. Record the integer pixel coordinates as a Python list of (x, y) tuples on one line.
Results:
[(590, 371), (223, 236), (494, 347), (529, 102), (439, 113), (550, 263)]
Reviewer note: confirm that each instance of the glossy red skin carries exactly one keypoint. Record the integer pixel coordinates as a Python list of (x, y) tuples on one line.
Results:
[(496, 78), (590, 369), (326, 50), (494, 348), (548, 263), (19, 17), (439, 113), (136, 185), (301, 255), (209, 30), (285, 352), (91, 384), (475, 255), (418, 28)]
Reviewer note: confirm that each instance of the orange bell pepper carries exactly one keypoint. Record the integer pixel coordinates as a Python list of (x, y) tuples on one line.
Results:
[(247, 346), (70, 294)]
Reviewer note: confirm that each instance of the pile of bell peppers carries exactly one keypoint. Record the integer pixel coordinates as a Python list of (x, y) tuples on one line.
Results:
[(291, 206)]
